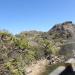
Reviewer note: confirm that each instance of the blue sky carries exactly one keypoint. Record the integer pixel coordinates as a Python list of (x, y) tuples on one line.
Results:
[(41, 15)]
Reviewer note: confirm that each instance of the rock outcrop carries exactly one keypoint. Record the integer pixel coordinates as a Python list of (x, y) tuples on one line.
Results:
[(64, 30)]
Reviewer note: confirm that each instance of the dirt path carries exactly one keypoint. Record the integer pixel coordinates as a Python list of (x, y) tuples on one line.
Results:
[(38, 68)]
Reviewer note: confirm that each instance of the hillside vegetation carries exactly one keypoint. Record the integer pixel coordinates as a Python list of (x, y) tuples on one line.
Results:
[(18, 51)]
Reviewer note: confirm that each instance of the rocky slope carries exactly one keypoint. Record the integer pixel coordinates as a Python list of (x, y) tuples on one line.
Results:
[(17, 51), (65, 33), (63, 30)]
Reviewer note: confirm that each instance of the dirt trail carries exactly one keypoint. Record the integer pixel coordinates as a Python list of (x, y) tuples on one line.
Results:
[(38, 68)]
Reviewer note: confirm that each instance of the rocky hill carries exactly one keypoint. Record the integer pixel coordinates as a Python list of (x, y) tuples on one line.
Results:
[(63, 30), (18, 51), (65, 33)]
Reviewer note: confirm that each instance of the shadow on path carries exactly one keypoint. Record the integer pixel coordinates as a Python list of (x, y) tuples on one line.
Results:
[(68, 70)]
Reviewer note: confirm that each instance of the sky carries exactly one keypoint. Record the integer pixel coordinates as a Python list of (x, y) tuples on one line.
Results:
[(40, 15)]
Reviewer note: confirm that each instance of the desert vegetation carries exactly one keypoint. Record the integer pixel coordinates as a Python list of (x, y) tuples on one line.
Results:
[(20, 50)]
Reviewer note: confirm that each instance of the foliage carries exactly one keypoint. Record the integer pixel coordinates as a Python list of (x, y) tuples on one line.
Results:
[(13, 67), (20, 50)]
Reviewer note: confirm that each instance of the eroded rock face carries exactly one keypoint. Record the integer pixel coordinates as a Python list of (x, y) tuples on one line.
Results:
[(64, 30)]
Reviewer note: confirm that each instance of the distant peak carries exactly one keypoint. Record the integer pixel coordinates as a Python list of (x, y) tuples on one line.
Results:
[(67, 22)]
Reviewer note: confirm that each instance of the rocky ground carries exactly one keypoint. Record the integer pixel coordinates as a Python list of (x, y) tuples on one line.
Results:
[(40, 66), (37, 68)]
